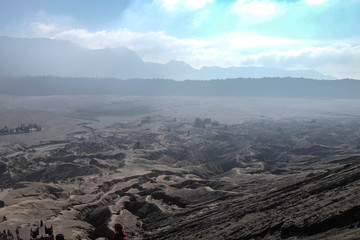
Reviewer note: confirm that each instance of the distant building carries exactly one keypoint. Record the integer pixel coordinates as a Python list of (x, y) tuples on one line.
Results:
[(32, 127)]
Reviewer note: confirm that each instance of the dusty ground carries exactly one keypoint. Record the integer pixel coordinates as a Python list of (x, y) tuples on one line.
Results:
[(259, 168)]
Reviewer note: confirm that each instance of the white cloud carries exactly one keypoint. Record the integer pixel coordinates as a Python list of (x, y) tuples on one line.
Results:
[(338, 53), (241, 49), (183, 4), (248, 40), (42, 29), (257, 8), (339, 59), (151, 46), (99, 39)]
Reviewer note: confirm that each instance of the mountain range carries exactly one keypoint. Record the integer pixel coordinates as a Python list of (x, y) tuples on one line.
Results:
[(43, 56)]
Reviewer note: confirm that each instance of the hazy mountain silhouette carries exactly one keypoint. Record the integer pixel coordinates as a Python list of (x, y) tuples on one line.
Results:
[(41, 56), (34, 57), (175, 70), (178, 70)]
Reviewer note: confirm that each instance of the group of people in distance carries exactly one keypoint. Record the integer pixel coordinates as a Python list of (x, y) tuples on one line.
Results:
[(119, 233), (8, 235), (118, 228)]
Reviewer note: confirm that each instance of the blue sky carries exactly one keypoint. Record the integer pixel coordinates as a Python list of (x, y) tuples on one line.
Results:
[(323, 35)]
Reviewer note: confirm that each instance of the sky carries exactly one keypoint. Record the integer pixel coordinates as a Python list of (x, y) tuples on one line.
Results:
[(322, 35)]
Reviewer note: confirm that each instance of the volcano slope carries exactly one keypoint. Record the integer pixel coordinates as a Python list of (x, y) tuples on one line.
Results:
[(167, 178)]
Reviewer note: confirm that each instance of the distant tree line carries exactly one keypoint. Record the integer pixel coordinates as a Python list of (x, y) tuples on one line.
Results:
[(278, 87)]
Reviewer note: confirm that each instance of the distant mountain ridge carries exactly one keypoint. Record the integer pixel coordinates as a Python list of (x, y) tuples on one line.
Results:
[(178, 70), (43, 56)]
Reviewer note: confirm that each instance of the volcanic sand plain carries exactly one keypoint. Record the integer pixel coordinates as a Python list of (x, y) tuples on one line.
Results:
[(182, 167)]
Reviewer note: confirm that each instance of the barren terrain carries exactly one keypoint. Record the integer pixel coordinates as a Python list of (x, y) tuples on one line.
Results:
[(182, 168)]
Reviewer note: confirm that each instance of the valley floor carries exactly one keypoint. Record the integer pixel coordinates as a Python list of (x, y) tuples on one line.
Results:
[(182, 168)]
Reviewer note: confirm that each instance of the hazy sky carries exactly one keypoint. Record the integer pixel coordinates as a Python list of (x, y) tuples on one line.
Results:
[(292, 34)]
